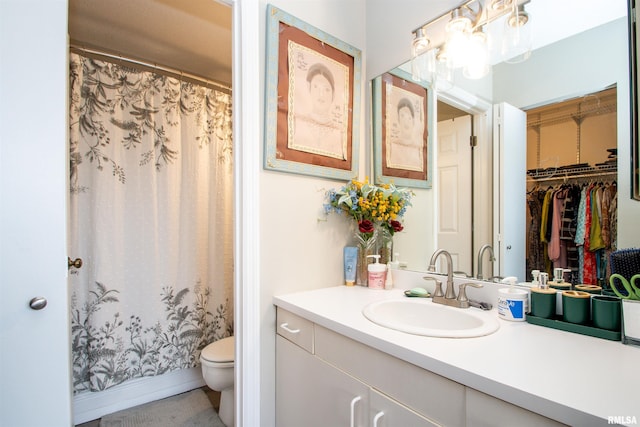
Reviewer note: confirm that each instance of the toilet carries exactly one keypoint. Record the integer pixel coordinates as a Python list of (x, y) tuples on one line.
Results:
[(217, 370)]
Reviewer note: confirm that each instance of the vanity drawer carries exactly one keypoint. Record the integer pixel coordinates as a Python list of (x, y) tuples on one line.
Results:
[(294, 328)]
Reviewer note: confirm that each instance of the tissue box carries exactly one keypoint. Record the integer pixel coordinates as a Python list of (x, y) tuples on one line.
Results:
[(631, 322)]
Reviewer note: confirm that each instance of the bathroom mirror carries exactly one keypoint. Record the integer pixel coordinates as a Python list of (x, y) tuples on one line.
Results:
[(559, 53)]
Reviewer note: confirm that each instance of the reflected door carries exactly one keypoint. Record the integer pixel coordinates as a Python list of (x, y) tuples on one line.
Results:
[(454, 192), (509, 180)]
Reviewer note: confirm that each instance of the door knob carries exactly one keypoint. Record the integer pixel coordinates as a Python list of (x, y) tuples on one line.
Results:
[(38, 303), (77, 263)]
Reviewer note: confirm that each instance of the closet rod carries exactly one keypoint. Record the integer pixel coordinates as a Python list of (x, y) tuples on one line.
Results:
[(155, 67), (566, 177)]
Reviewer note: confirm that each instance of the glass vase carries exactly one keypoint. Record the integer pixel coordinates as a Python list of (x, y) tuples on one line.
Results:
[(385, 245), (366, 246)]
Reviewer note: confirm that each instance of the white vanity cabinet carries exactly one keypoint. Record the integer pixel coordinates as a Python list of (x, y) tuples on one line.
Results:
[(324, 378), (312, 391)]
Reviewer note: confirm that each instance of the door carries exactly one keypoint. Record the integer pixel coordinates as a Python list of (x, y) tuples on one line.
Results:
[(510, 157), (34, 355), (455, 191)]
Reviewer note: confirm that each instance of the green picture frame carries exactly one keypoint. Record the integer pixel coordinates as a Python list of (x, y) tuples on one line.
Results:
[(403, 128), (312, 114)]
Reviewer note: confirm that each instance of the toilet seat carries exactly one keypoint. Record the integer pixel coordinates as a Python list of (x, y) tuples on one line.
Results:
[(220, 352)]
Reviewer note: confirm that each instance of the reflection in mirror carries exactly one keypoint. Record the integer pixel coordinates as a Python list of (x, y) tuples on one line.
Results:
[(571, 160), (454, 171), (577, 63)]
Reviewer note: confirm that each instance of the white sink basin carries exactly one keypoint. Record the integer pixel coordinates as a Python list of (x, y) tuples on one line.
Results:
[(423, 317)]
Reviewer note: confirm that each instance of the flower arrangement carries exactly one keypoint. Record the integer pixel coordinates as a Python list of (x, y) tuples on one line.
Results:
[(370, 205)]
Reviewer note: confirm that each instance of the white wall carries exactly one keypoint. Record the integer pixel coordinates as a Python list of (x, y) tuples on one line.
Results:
[(300, 248), (534, 82)]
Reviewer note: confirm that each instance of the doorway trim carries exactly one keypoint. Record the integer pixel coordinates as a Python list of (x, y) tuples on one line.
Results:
[(247, 148)]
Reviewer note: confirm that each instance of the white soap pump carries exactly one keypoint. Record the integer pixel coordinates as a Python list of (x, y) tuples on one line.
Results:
[(376, 273)]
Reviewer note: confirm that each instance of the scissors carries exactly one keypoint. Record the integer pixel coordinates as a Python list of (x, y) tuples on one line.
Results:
[(633, 291)]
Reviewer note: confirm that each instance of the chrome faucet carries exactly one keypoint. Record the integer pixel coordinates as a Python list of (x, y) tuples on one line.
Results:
[(449, 297), (480, 254)]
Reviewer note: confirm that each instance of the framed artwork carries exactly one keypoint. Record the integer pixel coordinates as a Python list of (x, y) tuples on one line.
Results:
[(402, 128), (313, 100)]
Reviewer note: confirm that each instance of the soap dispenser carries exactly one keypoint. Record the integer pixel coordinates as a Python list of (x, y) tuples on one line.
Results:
[(377, 273)]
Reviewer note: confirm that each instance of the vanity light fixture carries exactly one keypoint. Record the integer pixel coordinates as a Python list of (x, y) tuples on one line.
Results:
[(462, 37)]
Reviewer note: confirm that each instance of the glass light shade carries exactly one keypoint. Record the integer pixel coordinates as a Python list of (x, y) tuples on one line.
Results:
[(516, 39), (420, 42), (458, 22), (443, 73), (457, 46), (423, 67), (500, 5), (478, 56)]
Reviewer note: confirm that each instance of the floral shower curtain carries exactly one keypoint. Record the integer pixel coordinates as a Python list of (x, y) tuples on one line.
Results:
[(151, 216)]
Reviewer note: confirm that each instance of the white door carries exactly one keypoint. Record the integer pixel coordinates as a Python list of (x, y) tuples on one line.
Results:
[(35, 380), (510, 145), (454, 192)]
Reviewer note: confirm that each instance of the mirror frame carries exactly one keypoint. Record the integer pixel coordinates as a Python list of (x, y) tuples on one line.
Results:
[(633, 84)]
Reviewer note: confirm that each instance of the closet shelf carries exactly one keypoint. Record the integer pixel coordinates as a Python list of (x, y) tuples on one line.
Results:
[(561, 115), (572, 172)]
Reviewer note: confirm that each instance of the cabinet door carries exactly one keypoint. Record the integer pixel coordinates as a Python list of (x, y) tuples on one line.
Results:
[(309, 392), (385, 412)]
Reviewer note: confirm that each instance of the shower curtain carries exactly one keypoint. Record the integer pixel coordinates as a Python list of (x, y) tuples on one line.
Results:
[(151, 216)]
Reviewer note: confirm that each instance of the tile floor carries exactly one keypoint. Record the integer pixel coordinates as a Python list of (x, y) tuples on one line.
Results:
[(214, 398)]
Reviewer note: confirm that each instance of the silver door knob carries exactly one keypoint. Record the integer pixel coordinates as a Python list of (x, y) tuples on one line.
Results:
[(38, 303)]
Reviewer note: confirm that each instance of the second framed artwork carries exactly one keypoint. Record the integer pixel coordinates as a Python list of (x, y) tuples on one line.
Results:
[(402, 123)]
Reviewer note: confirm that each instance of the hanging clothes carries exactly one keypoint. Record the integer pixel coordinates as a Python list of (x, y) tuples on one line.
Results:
[(557, 248), (572, 226), (535, 250)]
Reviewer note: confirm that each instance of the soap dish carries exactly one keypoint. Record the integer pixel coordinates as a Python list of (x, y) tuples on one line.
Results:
[(417, 293)]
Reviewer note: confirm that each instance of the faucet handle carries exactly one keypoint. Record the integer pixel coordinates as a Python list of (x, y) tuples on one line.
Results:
[(462, 294), (438, 292)]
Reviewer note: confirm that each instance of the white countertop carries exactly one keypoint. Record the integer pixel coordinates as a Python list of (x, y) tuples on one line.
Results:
[(575, 379)]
